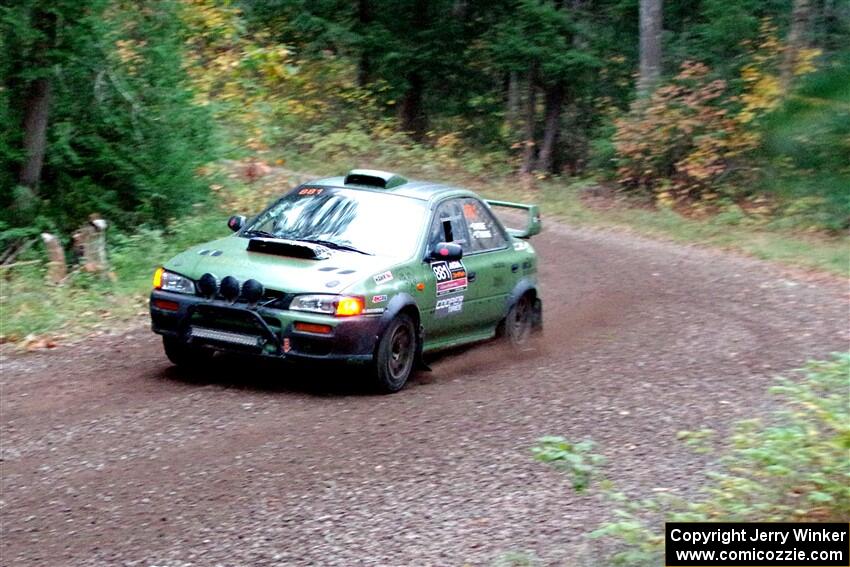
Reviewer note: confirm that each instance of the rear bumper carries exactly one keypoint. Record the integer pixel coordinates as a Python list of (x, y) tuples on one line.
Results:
[(262, 331)]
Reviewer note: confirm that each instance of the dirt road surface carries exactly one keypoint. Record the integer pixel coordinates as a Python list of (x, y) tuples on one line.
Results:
[(111, 457)]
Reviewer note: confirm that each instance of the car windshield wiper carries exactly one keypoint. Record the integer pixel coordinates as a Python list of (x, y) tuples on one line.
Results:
[(334, 245), (260, 233)]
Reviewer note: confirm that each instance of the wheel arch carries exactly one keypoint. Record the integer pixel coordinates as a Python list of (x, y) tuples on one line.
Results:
[(523, 287), (403, 303)]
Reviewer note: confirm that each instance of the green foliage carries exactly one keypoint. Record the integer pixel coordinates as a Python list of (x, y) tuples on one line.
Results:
[(807, 146), (719, 33), (793, 465), (136, 86), (143, 94), (517, 559), (87, 302), (576, 459), (125, 137)]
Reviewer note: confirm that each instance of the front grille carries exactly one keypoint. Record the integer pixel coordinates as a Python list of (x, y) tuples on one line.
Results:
[(232, 325), (220, 336)]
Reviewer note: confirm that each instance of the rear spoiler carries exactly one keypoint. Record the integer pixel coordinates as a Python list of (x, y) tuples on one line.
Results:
[(534, 224)]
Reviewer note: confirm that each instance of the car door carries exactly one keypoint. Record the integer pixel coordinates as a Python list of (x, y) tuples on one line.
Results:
[(464, 292), (487, 256), (451, 311)]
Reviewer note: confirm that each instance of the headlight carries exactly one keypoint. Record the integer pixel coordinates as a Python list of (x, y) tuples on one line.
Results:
[(339, 305), (169, 281)]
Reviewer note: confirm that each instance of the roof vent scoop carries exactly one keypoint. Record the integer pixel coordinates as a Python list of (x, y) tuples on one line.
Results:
[(374, 178)]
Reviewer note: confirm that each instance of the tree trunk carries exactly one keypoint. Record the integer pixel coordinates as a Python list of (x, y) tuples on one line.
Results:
[(364, 65), (36, 110), (89, 245), (797, 35), (530, 125), (57, 270), (552, 127), (512, 113), (651, 19), (411, 113), (460, 8), (37, 102), (411, 110)]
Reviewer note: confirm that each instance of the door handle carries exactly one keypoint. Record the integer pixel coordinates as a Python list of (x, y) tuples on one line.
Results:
[(471, 276), (514, 268)]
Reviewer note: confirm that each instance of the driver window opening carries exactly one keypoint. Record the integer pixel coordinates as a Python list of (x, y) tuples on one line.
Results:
[(447, 230)]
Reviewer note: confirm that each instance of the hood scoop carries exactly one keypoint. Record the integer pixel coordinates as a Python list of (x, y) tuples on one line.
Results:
[(291, 248)]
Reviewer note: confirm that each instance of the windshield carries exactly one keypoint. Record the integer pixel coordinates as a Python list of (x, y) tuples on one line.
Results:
[(344, 219)]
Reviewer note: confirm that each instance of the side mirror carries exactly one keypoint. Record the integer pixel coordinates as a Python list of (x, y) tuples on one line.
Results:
[(235, 222), (448, 251)]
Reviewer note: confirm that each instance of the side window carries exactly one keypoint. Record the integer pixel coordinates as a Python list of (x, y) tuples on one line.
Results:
[(448, 225), (484, 231)]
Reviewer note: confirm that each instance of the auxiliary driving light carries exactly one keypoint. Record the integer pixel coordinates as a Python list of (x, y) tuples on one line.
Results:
[(252, 291), (229, 288), (208, 285)]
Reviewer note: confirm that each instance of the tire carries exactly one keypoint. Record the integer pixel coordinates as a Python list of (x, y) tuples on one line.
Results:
[(185, 356), (395, 355), (519, 321)]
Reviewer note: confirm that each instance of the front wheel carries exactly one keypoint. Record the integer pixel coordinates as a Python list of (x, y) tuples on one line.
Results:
[(395, 354)]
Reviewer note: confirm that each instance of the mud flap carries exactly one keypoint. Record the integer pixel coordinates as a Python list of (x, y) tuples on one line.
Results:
[(537, 316), (419, 361)]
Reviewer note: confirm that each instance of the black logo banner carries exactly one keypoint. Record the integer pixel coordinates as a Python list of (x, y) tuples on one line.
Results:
[(762, 544)]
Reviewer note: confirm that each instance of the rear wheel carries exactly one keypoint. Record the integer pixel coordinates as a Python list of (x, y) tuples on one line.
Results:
[(184, 355), (395, 354), (519, 321)]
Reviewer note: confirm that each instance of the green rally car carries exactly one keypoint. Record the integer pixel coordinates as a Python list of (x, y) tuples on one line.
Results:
[(368, 268)]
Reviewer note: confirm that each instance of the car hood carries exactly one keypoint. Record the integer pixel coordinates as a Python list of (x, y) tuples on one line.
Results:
[(229, 257)]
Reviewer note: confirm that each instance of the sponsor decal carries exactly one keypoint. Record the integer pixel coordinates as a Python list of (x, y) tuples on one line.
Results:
[(383, 277), (449, 306), (480, 230), (379, 298), (286, 345), (311, 191), (451, 276), (520, 245), (373, 310)]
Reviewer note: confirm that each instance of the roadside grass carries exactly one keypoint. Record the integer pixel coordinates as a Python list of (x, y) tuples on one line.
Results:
[(804, 250), (34, 314), (788, 465), (31, 310)]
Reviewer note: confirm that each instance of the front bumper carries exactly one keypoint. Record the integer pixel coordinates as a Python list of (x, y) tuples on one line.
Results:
[(262, 331)]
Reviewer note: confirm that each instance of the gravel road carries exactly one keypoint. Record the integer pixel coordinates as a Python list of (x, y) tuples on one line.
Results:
[(111, 457)]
